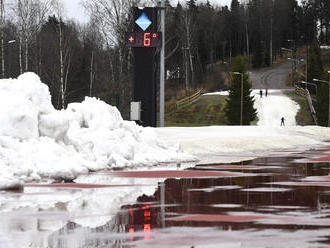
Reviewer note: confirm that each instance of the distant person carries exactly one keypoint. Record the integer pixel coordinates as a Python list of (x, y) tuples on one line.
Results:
[(266, 92), (260, 92), (282, 121)]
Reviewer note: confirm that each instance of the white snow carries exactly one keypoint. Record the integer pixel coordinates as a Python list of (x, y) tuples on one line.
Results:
[(221, 93), (273, 107), (236, 143), (38, 142)]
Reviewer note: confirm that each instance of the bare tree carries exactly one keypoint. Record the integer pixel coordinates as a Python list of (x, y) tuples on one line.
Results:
[(188, 30), (112, 17), (59, 10), (30, 14)]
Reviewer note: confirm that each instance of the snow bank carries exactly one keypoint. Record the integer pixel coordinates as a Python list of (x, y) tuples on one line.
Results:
[(38, 142), (215, 143)]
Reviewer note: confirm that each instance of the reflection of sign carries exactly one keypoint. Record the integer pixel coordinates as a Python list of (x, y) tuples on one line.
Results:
[(143, 21), (144, 39)]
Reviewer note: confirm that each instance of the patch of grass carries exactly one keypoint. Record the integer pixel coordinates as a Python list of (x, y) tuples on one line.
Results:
[(207, 110), (304, 116)]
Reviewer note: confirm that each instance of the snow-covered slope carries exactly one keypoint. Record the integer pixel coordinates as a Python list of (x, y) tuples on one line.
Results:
[(273, 107)]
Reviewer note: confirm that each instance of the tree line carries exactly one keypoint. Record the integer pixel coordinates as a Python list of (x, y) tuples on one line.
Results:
[(76, 60)]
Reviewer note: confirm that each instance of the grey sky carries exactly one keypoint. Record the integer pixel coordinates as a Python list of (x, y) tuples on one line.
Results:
[(74, 10)]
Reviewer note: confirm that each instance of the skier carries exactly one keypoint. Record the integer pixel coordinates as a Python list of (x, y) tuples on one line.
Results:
[(266, 92), (260, 92), (282, 121)]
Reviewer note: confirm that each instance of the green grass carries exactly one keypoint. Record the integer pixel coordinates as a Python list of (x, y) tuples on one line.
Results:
[(207, 110), (304, 116)]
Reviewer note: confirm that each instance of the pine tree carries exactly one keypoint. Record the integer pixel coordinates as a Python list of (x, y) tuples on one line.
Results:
[(315, 70), (315, 67), (233, 107)]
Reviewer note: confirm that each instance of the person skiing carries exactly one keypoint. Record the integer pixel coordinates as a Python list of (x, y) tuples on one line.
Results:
[(266, 92), (260, 92), (282, 121)]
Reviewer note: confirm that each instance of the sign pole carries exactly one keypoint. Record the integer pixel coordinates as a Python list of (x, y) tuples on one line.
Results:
[(144, 40), (162, 69)]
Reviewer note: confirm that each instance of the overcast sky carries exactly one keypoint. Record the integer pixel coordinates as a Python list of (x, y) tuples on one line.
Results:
[(74, 10)]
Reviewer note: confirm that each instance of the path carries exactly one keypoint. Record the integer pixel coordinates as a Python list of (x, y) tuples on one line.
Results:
[(273, 78)]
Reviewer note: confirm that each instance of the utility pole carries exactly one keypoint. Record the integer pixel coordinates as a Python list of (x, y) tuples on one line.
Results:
[(271, 40), (2, 40), (162, 69), (241, 101), (329, 102), (247, 42), (306, 68)]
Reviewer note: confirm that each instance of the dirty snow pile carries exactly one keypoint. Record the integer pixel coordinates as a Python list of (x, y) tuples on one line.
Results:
[(40, 142)]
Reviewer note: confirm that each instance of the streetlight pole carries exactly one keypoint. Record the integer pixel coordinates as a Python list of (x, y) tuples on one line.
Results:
[(328, 82), (241, 112), (162, 70), (297, 61), (292, 55)]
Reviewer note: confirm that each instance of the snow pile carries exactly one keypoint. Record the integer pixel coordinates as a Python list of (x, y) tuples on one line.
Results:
[(38, 142), (221, 93)]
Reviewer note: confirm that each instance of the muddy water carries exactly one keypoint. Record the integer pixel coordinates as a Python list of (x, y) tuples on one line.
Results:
[(278, 201)]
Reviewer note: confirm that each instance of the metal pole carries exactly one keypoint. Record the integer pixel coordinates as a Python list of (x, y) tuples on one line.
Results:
[(307, 64), (241, 99), (162, 202), (162, 69), (329, 102), (2, 41)]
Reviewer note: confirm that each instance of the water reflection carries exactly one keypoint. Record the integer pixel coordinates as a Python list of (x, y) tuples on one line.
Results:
[(272, 203)]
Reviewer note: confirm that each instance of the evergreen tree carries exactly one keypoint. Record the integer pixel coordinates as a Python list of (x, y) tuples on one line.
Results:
[(315, 67), (233, 107), (315, 70), (322, 107)]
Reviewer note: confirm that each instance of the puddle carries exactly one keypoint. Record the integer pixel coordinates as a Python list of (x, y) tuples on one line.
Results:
[(278, 201)]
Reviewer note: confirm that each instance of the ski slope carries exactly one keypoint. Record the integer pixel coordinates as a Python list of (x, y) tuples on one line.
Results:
[(273, 107)]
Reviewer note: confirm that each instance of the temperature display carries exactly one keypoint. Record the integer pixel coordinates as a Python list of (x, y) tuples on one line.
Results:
[(144, 39)]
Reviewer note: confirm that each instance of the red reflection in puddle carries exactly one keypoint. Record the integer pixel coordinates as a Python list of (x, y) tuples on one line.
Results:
[(320, 159), (321, 184), (317, 178), (217, 218), (234, 167), (325, 148), (82, 185), (176, 174)]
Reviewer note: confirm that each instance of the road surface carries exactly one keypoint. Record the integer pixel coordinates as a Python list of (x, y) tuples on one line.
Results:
[(272, 78)]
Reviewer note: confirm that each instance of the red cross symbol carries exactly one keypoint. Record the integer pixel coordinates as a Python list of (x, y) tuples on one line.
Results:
[(131, 39)]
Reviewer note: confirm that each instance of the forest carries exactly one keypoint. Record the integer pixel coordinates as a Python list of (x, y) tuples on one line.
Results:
[(92, 59)]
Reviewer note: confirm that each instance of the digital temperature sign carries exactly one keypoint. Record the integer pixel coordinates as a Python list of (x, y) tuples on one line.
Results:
[(144, 39)]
